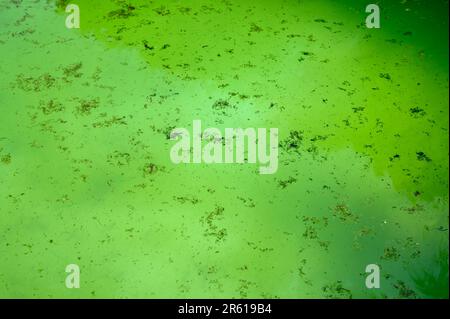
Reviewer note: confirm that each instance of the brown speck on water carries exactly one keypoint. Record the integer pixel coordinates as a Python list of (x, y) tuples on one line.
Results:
[(119, 158), (405, 291), (51, 106), (413, 209), (72, 70), (162, 11), (37, 84), (391, 253), (210, 220), (86, 106), (342, 212), (6, 159), (255, 28), (293, 142), (336, 290), (186, 199), (147, 46), (417, 112), (421, 156), (386, 76), (62, 4), (110, 122), (125, 12), (285, 183), (152, 168)]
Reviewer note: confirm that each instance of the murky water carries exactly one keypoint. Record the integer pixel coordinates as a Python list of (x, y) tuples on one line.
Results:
[(86, 176)]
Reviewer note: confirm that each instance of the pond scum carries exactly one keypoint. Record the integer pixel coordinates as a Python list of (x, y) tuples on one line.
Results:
[(86, 176)]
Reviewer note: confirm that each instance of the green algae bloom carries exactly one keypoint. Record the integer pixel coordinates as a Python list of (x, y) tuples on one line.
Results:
[(86, 176)]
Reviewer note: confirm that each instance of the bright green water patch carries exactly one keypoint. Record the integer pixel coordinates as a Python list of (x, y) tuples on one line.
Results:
[(87, 178)]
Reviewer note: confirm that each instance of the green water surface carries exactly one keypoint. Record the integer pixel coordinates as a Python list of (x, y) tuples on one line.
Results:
[(86, 176)]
